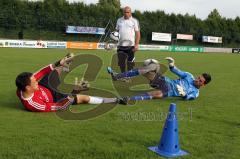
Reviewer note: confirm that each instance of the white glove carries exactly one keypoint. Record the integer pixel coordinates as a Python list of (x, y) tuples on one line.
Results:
[(66, 61), (171, 61), (81, 85), (181, 91)]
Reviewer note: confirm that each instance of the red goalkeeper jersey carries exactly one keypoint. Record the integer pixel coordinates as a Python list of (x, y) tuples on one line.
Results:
[(42, 99)]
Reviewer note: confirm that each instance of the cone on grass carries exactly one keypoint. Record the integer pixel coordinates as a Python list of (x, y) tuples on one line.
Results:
[(169, 144)]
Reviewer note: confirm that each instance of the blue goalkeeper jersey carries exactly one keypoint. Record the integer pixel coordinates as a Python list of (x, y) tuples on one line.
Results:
[(186, 80)]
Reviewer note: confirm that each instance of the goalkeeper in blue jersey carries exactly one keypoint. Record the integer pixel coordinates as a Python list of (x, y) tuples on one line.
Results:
[(186, 86)]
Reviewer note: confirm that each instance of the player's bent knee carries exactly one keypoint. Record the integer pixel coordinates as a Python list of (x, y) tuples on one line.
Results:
[(82, 99), (157, 94)]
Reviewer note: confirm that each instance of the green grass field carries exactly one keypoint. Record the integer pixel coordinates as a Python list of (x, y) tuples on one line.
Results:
[(209, 127)]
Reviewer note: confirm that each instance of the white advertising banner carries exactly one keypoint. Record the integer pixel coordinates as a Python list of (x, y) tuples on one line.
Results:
[(33, 44), (85, 30), (161, 36), (212, 39), (185, 36), (154, 47), (2, 43), (25, 44), (13, 43), (101, 45), (40, 44), (56, 44)]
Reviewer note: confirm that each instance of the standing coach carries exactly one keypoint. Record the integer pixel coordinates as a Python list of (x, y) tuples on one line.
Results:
[(129, 30)]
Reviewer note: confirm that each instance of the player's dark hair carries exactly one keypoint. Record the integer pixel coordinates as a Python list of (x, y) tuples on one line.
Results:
[(22, 80), (207, 78)]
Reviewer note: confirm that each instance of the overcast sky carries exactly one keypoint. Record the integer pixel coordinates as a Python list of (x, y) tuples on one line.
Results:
[(201, 8)]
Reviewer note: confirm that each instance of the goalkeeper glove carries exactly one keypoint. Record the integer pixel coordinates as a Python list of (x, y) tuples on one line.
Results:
[(181, 91), (171, 61), (65, 62), (80, 86)]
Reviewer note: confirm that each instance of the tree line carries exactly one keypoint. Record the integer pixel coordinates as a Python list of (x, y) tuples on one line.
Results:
[(43, 19)]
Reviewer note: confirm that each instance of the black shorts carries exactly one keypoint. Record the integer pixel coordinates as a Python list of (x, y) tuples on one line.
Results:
[(160, 83), (52, 86), (125, 53)]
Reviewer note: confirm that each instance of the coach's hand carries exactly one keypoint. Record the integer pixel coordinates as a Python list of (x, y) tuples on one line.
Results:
[(171, 61), (135, 48), (181, 91)]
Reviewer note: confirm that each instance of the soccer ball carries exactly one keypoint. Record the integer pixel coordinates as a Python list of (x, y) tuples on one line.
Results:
[(155, 65), (150, 61), (114, 35)]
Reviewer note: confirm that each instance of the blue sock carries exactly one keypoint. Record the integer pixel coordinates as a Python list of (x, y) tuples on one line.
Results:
[(130, 73), (144, 96)]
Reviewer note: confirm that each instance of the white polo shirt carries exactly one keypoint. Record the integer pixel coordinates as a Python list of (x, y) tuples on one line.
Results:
[(127, 28)]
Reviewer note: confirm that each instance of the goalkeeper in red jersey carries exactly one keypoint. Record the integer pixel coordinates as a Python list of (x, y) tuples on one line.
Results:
[(37, 95)]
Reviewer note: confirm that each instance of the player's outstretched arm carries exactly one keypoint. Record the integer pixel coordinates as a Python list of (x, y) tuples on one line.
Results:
[(38, 105), (174, 69), (65, 62), (43, 71)]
